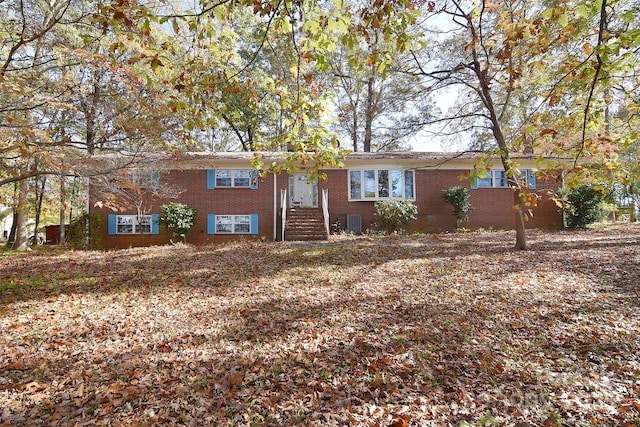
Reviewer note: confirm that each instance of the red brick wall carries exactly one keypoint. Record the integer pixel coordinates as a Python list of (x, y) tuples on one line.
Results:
[(121, 241), (339, 204), (433, 213), (492, 206), (219, 201)]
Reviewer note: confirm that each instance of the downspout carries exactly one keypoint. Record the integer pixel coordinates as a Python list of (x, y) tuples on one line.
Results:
[(275, 207)]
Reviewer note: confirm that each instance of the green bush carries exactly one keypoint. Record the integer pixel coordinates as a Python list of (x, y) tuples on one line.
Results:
[(458, 197), (581, 205), (393, 213), (178, 219), (92, 224)]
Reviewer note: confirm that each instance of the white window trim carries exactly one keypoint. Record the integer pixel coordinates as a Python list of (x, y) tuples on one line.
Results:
[(134, 224), (234, 222), (376, 175), (491, 175), (146, 178), (233, 178)]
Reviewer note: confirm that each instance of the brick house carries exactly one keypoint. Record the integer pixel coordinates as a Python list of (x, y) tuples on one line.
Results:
[(234, 202)]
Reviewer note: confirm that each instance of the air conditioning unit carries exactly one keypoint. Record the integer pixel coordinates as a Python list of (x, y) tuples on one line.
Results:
[(354, 223)]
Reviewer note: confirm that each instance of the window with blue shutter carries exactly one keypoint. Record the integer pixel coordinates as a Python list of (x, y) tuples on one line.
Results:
[(155, 179), (130, 224), (254, 224), (155, 224), (232, 178), (112, 224), (232, 224), (211, 224), (531, 176), (211, 179), (253, 175), (498, 179)]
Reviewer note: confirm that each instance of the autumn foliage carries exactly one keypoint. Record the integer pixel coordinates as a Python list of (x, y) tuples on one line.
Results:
[(392, 331)]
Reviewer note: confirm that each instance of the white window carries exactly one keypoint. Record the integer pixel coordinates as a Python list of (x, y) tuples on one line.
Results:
[(498, 179), (233, 178), (129, 224), (233, 224), (381, 184), (355, 185), (486, 181), (145, 179)]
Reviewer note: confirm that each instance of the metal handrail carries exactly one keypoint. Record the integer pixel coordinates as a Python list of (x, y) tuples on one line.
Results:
[(325, 208), (283, 203)]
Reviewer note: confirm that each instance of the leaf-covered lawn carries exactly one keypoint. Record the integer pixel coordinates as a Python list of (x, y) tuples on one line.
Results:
[(439, 330)]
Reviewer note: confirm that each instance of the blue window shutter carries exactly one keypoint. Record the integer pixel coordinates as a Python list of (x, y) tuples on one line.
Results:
[(253, 177), (532, 179), (155, 225), (155, 179), (474, 183), (254, 223), (211, 179), (211, 224), (112, 227)]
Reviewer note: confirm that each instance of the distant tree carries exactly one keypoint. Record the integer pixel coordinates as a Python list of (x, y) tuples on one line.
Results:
[(378, 107), (67, 90), (378, 112)]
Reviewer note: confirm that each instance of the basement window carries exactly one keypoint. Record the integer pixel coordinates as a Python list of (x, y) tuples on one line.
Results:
[(131, 224), (232, 224)]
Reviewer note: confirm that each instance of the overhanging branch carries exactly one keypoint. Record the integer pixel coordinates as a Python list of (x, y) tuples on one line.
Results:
[(601, 30)]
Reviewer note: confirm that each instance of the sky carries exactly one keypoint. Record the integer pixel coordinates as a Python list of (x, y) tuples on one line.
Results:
[(430, 142), (424, 141)]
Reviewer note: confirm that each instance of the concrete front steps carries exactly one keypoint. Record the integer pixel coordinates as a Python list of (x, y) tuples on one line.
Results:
[(305, 224)]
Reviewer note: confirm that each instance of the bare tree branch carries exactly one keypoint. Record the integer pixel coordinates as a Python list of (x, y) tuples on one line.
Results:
[(596, 76)]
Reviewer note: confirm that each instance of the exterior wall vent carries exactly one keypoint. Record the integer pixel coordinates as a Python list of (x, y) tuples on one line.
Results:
[(354, 223)]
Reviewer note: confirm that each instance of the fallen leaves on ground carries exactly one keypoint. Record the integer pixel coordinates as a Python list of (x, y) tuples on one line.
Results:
[(449, 329)]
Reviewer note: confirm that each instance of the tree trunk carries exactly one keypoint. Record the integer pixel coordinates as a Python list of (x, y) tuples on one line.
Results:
[(487, 99), (607, 132), (354, 131), (22, 238), (62, 237), (74, 190), (368, 119), (11, 239), (521, 239), (39, 198)]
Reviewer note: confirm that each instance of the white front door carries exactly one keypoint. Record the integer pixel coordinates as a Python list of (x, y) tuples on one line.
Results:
[(304, 194)]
